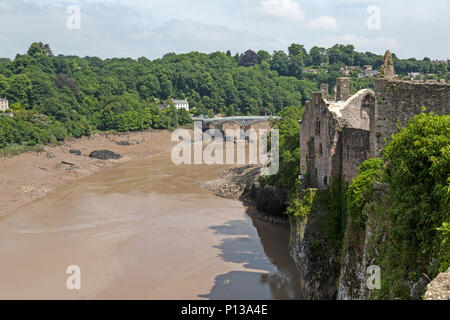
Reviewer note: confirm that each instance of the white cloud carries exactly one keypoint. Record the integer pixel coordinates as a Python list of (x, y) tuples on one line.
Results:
[(361, 43), (282, 8), (151, 28), (187, 35), (386, 43), (324, 23)]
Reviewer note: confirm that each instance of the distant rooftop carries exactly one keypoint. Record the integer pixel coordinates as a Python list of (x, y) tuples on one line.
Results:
[(179, 101)]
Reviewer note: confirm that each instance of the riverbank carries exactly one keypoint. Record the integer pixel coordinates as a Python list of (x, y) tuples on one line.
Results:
[(144, 229), (32, 175), (242, 183)]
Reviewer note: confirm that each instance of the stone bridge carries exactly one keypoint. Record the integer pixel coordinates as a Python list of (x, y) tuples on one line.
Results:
[(236, 123)]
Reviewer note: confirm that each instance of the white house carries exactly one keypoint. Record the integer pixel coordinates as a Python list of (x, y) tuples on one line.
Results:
[(4, 104), (181, 104), (414, 75)]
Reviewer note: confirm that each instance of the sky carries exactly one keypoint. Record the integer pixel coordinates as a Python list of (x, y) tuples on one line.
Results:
[(149, 28)]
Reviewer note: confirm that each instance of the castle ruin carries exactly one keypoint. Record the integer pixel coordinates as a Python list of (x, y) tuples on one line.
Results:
[(334, 135), (337, 135), (397, 101)]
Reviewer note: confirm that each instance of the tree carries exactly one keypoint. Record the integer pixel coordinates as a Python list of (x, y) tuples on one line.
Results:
[(296, 66), (4, 85), (263, 55), (248, 59), (296, 49), (280, 62), (19, 89), (63, 79), (166, 86), (318, 56), (148, 86)]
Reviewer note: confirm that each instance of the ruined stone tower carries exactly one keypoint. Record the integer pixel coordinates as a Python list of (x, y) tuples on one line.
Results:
[(324, 89), (342, 89), (387, 69)]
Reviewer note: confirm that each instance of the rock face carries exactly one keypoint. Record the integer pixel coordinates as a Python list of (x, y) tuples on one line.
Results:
[(243, 183), (352, 278), (232, 182), (316, 259), (439, 288), (104, 155), (267, 199)]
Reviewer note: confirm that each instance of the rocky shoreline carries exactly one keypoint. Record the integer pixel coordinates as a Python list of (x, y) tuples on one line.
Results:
[(242, 183)]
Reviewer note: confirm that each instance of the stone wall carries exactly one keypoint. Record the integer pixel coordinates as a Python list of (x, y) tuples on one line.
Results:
[(398, 101), (342, 88), (355, 150), (318, 142), (334, 137)]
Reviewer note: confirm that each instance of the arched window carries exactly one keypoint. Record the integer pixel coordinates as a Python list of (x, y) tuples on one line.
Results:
[(320, 149), (367, 101), (325, 181), (317, 125), (367, 104)]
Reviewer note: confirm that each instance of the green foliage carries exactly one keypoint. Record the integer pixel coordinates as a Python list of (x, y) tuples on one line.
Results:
[(411, 233), (21, 132), (336, 218), (445, 231), (15, 149), (289, 130), (361, 191), (329, 203), (300, 206)]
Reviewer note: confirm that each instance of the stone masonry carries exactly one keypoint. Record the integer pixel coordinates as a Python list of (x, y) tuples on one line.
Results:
[(335, 135), (397, 101)]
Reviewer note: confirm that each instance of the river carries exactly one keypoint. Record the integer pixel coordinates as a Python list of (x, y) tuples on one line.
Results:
[(144, 229)]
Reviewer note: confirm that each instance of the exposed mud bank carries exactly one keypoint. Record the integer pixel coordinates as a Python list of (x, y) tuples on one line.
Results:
[(32, 175)]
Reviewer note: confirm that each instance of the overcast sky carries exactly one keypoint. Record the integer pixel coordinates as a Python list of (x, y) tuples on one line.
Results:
[(150, 28)]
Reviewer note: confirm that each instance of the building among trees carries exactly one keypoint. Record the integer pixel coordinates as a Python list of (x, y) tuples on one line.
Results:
[(181, 104), (4, 104)]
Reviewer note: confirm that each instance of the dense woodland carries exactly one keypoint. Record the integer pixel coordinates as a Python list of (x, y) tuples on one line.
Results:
[(57, 96)]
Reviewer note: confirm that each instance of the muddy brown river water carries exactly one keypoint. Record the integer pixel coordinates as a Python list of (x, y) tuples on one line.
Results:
[(144, 229)]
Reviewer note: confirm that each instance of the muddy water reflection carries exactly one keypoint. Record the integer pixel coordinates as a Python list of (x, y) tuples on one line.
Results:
[(262, 247), (144, 230)]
